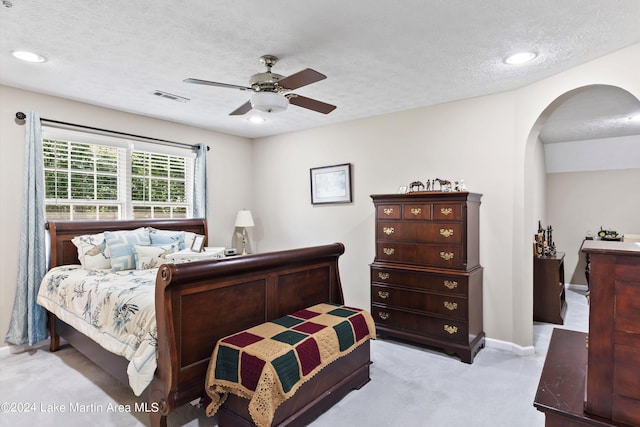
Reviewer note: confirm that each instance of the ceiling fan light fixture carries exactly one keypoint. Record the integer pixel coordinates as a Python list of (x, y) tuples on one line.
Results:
[(257, 119), (269, 102)]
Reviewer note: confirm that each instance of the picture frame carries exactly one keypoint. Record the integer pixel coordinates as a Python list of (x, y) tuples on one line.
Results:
[(402, 189), (331, 184), (198, 244)]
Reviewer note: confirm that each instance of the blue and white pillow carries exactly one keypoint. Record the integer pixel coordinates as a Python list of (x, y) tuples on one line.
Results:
[(121, 243), (166, 237)]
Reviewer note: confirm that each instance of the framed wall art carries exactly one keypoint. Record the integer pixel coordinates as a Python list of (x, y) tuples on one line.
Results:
[(331, 184)]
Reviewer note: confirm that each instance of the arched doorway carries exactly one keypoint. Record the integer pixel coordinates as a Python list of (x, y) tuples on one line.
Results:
[(582, 158)]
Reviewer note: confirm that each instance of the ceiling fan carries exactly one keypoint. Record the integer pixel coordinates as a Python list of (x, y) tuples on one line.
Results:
[(271, 90)]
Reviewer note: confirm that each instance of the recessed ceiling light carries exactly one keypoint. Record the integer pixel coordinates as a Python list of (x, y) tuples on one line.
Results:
[(520, 58), (28, 56), (257, 119)]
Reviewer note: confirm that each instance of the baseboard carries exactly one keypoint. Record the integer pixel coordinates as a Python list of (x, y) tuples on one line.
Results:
[(16, 349), (577, 287), (510, 347)]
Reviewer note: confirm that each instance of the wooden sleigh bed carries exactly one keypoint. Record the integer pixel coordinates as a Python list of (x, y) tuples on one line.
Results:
[(200, 302)]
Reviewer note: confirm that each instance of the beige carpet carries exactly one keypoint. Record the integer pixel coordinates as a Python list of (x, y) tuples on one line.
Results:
[(410, 386)]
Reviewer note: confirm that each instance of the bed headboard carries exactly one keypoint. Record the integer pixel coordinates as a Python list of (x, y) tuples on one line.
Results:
[(64, 252)]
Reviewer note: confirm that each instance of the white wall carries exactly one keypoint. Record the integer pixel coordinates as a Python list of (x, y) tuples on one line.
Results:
[(491, 142), (470, 140), (579, 202), (229, 159), (595, 154)]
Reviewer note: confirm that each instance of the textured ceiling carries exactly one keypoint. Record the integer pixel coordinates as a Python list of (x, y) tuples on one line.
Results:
[(379, 56), (594, 113)]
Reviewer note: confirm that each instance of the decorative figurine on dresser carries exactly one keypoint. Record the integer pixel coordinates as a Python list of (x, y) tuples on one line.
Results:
[(426, 278)]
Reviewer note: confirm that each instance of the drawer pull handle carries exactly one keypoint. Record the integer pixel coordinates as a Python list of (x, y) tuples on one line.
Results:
[(447, 256), (451, 329), (384, 315), (383, 294), (383, 275), (387, 211), (451, 305), (416, 211), (446, 211), (451, 284), (388, 251), (446, 232), (388, 230)]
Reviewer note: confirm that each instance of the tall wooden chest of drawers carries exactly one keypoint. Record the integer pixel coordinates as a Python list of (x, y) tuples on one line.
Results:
[(426, 279)]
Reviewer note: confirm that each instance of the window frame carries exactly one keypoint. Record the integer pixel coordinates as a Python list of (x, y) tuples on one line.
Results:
[(125, 206)]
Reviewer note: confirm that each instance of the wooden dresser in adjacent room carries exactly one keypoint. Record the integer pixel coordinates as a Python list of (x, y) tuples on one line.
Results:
[(426, 278)]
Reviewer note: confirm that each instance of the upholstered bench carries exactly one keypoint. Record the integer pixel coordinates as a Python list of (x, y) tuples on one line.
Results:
[(290, 370)]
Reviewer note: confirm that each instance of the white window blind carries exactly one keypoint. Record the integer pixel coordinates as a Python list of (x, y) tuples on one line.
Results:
[(90, 176)]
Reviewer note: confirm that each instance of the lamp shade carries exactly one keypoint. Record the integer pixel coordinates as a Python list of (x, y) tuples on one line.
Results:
[(269, 102), (244, 219)]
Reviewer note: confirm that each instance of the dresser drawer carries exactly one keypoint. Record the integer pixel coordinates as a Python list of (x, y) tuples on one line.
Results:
[(420, 232), (416, 211), (442, 283), (452, 306), (389, 211), (447, 211), (447, 329), (436, 255)]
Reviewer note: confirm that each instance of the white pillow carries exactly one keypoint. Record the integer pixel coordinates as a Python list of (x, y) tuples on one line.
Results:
[(93, 252), (148, 257)]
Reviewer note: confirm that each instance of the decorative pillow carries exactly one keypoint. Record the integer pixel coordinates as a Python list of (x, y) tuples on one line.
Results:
[(92, 251), (166, 237), (120, 244), (148, 257)]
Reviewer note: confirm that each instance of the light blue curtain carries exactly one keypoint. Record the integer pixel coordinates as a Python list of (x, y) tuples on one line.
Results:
[(28, 323), (200, 183)]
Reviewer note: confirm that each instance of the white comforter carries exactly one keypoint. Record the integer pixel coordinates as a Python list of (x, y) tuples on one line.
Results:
[(115, 309)]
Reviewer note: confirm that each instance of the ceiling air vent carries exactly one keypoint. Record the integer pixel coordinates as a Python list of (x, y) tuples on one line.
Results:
[(170, 96)]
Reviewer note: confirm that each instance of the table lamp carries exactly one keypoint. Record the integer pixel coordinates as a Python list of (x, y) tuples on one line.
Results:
[(244, 220)]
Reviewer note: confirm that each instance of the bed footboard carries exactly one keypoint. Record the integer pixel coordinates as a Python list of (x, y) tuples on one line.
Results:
[(200, 302)]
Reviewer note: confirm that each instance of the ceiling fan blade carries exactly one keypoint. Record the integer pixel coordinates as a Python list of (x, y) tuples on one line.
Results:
[(208, 83), (311, 104), (301, 78), (243, 109)]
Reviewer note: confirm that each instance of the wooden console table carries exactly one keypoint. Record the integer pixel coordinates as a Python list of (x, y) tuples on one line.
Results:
[(549, 303)]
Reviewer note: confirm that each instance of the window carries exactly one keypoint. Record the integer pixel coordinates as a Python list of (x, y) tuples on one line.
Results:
[(91, 176)]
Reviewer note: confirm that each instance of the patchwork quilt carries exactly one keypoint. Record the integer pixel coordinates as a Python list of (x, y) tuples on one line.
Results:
[(115, 309), (266, 364)]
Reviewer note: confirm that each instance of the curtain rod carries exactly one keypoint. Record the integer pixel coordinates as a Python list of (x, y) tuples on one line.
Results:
[(20, 119)]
